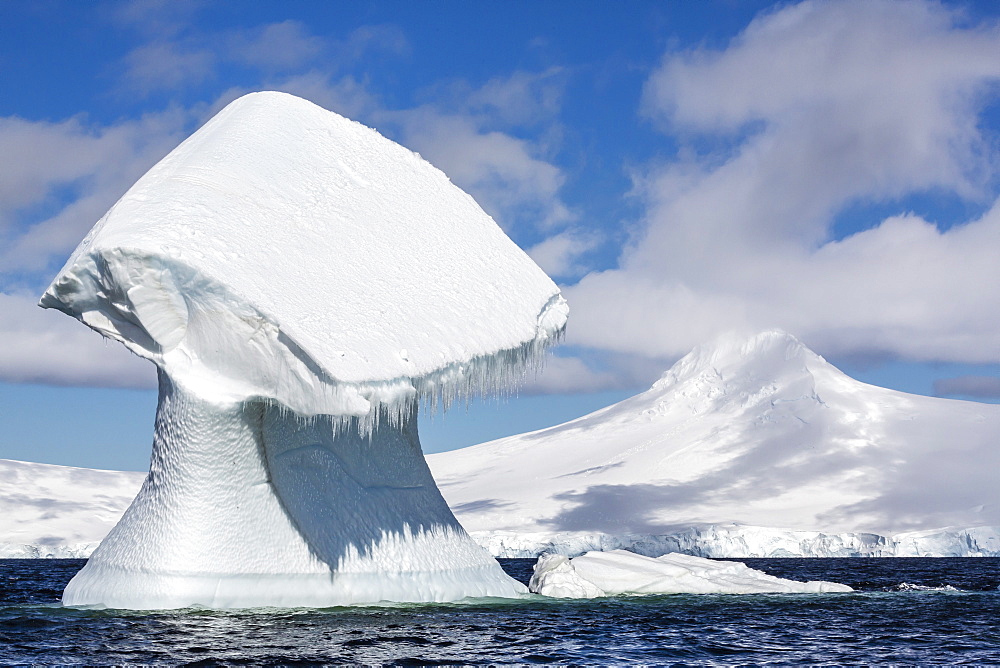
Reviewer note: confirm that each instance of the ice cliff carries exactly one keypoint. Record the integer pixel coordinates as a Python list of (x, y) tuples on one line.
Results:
[(302, 284), (748, 446)]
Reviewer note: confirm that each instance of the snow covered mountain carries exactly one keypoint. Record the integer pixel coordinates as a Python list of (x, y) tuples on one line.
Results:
[(746, 447), (59, 511)]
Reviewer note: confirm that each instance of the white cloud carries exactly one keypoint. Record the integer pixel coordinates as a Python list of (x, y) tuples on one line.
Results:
[(496, 142), (75, 171), (274, 46), (813, 108), (45, 346), (174, 60), (559, 255), (569, 375), (521, 98), (60, 178), (96, 163), (502, 172), (154, 18), (166, 65), (586, 371), (366, 40)]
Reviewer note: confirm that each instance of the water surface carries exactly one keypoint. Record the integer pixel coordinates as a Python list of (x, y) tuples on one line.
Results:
[(906, 611)]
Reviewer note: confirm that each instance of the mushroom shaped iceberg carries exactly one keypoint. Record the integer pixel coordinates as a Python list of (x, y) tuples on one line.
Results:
[(302, 285)]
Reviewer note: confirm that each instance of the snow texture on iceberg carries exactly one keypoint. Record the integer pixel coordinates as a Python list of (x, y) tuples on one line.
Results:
[(620, 572), (302, 284), (748, 446)]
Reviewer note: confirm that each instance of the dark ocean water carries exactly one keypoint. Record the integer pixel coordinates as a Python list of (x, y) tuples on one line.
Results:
[(906, 611)]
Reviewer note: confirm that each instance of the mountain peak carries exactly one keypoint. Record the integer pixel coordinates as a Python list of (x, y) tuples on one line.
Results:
[(739, 370), (736, 354)]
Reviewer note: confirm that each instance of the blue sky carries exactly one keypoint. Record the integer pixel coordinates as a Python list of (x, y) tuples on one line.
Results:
[(681, 169)]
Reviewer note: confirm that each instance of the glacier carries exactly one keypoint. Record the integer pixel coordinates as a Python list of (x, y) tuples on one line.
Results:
[(303, 285), (751, 445)]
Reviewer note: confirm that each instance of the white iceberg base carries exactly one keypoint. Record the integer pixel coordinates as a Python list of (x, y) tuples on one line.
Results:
[(115, 588), (619, 572), (249, 505)]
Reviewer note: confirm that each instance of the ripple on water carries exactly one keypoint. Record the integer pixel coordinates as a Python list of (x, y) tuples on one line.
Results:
[(945, 613)]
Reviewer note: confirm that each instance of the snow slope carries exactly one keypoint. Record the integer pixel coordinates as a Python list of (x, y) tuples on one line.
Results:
[(749, 446), (302, 283), (59, 511)]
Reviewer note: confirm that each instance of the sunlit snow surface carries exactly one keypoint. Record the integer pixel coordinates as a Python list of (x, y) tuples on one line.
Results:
[(620, 572), (302, 284), (748, 446), (59, 511)]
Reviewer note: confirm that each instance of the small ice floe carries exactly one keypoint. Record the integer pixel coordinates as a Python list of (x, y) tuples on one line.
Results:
[(906, 586), (619, 572)]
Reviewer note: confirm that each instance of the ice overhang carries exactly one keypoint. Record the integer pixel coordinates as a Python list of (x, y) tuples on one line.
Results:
[(291, 251)]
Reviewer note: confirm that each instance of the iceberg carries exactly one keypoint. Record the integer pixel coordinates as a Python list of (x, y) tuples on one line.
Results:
[(620, 572), (303, 286)]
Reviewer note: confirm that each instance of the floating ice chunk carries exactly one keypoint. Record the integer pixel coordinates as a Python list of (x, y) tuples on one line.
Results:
[(556, 576), (619, 572)]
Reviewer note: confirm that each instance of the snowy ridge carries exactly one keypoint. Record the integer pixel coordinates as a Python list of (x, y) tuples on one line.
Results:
[(33, 551), (749, 445), (745, 541)]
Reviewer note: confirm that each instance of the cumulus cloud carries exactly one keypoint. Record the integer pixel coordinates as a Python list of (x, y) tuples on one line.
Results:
[(575, 371), (177, 59), (466, 130), (814, 108), (274, 46), (569, 375), (520, 98), (560, 254), (74, 172), (500, 170), (43, 346), (471, 135)]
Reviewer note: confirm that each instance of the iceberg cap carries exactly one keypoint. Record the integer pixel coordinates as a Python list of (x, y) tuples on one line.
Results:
[(285, 251)]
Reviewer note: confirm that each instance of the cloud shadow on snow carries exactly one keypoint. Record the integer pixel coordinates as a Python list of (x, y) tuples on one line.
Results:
[(904, 474), (793, 451)]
